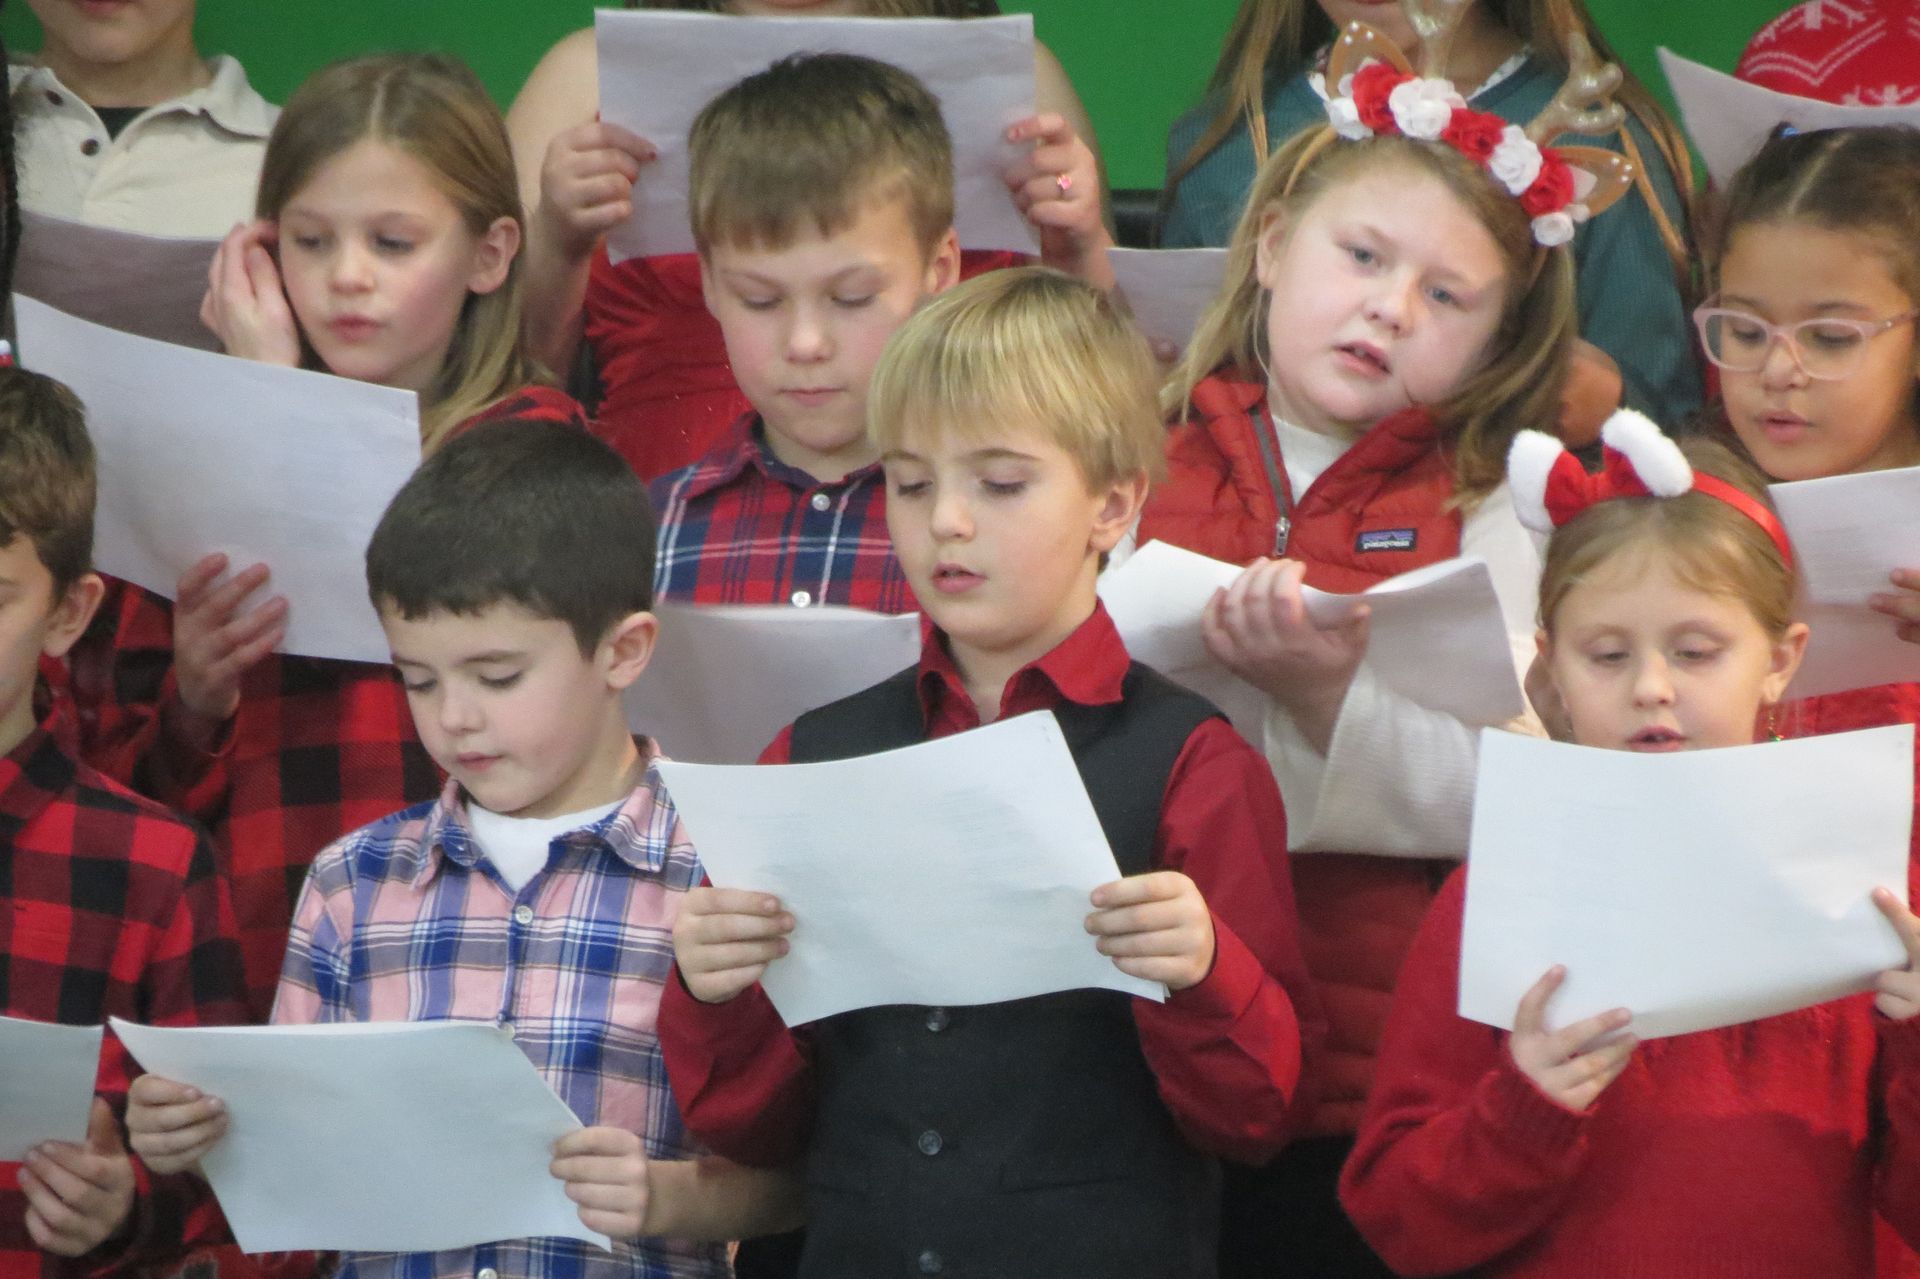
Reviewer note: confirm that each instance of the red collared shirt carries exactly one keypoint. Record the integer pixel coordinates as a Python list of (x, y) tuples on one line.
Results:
[(1226, 1052), (742, 527), (113, 908)]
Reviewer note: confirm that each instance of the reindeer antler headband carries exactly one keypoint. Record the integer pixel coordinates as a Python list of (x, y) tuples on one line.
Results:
[(1372, 89), (1550, 486)]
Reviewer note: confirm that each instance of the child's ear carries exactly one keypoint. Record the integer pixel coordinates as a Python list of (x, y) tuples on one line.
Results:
[(628, 647), (1118, 511), (1267, 246), (493, 255), (943, 266), (1787, 652), (70, 616)]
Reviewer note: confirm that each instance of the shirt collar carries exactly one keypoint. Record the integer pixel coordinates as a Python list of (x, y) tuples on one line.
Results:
[(1089, 667), (745, 445), (32, 774), (639, 832), (227, 99)]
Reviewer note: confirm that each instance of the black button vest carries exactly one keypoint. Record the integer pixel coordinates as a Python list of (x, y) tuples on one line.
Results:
[(1016, 1139)]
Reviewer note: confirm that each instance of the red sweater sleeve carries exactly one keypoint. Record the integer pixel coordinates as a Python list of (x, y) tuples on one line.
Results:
[(742, 1079), (1227, 1053), (1459, 1157), (1897, 1168)]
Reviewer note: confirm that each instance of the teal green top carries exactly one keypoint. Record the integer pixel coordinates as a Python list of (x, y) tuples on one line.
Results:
[(1629, 300)]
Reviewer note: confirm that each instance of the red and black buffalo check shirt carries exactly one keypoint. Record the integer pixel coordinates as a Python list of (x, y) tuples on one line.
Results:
[(109, 906)]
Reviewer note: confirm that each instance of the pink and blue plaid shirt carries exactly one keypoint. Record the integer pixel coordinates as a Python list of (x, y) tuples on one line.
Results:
[(406, 920)]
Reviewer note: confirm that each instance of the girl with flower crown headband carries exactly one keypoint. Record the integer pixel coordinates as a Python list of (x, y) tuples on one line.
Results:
[(1399, 303), (1666, 623), (1507, 57)]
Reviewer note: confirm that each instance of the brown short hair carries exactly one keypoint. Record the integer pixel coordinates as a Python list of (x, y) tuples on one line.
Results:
[(1709, 545), (46, 473), (434, 109), (1025, 345), (809, 142), (522, 511)]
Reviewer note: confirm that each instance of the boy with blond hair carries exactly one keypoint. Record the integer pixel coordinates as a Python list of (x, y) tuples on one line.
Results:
[(113, 906), (1072, 1134), (513, 576)]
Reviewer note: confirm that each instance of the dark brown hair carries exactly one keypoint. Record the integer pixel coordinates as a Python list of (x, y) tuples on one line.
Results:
[(539, 514), (46, 473)]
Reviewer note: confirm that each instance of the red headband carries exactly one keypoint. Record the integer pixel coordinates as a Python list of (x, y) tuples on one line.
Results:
[(1550, 486)]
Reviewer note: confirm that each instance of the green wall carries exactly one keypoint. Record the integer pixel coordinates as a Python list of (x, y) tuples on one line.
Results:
[(1137, 63)]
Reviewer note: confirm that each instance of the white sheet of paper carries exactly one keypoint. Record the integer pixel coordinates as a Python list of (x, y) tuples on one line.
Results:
[(726, 679), (145, 284), (1729, 119), (1169, 289), (1437, 638), (1697, 889), (374, 1137), (46, 1088), (659, 69), (200, 452), (956, 871), (1849, 533)]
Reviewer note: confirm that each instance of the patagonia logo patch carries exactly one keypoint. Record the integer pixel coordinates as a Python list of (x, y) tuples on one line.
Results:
[(1387, 539)]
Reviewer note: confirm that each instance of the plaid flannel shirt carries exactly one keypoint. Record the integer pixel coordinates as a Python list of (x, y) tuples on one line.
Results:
[(406, 920), (742, 527), (113, 907), (317, 748)]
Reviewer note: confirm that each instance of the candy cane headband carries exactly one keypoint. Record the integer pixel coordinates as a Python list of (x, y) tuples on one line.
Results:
[(1550, 486), (1371, 89)]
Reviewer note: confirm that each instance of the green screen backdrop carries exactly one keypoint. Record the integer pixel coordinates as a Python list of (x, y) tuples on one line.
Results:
[(1136, 63)]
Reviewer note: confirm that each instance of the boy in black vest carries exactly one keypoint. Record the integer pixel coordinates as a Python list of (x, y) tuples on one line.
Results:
[(1072, 1134)]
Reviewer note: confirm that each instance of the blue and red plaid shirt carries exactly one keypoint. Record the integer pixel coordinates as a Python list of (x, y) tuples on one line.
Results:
[(406, 920), (742, 527), (112, 907)]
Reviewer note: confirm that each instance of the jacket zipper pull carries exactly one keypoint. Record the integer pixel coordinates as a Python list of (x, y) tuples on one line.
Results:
[(1282, 530)]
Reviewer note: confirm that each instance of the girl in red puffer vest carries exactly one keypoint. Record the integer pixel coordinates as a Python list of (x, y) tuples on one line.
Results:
[(1400, 304)]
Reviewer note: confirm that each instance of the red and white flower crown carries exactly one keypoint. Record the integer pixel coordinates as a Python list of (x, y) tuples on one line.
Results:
[(1550, 486), (1371, 90)]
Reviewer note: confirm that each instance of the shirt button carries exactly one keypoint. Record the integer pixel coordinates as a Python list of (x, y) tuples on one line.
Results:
[(821, 501), (55, 98), (90, 147), (488, 1273), (523, 914), (930, 1263), (506, 1028), (937, 1019), (801, 599), (930, 1143)]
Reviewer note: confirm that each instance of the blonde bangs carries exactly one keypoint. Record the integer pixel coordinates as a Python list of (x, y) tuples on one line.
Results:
[(1023, 347)]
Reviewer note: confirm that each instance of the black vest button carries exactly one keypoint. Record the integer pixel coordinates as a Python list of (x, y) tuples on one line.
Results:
[(930, 1143), (937, 1019), (930, 1263), (90, 147)]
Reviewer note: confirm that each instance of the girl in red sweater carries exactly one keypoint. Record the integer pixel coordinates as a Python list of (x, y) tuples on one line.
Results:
[(1755, 1150), (386, 250)]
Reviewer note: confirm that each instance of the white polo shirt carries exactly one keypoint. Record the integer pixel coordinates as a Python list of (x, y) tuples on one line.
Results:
[(187, 167)]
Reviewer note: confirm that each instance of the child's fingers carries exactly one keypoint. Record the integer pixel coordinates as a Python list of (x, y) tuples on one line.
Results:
[(1586, 1035), (1155, 886), (181, 1144), (1903, 920), (162, 1106), (1530, 1018), (710, 900), (732, 958), (625, 141), (714, 930), (1899, 993), (196, 581)]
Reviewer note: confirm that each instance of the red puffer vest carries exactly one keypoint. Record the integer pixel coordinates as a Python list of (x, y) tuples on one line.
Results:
[(1379, 511)]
